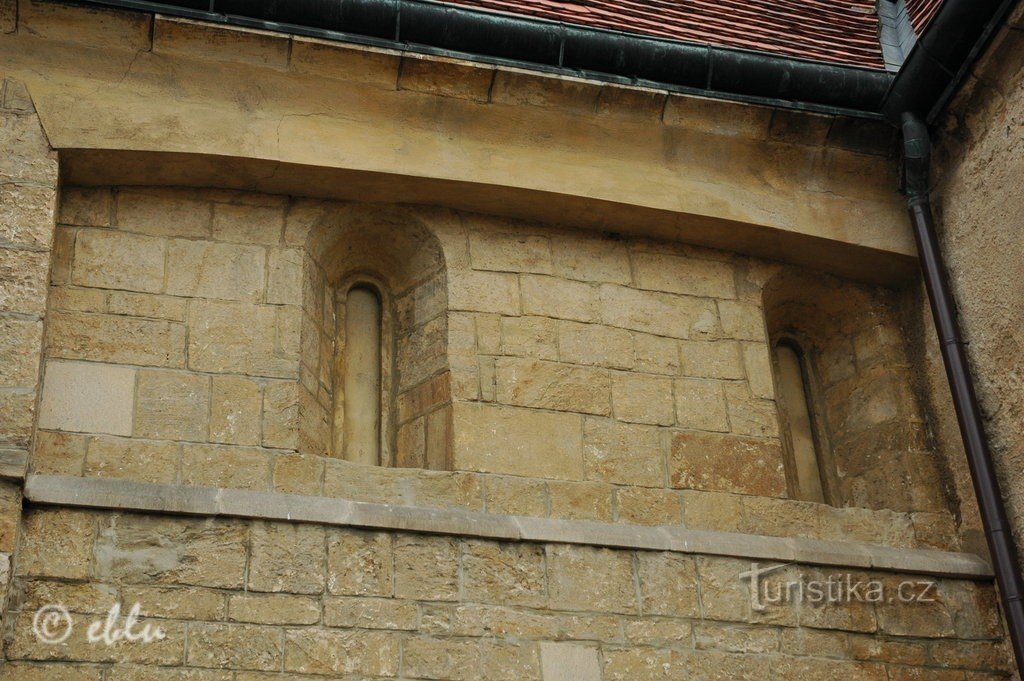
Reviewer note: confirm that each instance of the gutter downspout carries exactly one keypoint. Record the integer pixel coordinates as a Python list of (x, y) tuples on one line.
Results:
[(917, 154)]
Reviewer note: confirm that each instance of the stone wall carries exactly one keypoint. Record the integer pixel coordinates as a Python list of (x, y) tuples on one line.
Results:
[(257, 600), (978, 201), (588, 377), (28, 204)]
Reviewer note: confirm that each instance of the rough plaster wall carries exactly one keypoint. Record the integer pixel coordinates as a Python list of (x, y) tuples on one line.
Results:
[(979, 201)]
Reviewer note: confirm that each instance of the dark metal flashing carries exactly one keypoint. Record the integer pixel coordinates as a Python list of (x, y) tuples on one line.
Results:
[(433, 28)]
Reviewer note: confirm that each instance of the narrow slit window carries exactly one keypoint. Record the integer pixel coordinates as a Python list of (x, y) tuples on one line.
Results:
[(798, 419), (362, 376)]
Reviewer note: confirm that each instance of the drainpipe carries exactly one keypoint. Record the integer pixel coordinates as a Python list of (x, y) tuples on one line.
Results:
[(917, 153)]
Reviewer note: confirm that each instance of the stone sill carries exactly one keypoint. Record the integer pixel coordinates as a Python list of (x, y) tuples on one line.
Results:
[(125, 495)]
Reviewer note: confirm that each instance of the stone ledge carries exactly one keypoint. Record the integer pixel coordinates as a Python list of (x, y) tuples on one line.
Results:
[(126, 495)]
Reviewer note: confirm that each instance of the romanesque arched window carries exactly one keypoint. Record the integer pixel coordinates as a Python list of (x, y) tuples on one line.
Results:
[(798, 420)]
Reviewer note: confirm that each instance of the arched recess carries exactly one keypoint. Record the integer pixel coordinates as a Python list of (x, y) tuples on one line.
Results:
[(375, 272), (864, 426)]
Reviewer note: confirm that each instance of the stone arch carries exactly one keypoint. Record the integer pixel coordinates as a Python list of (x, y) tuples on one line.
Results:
[(393, 252)]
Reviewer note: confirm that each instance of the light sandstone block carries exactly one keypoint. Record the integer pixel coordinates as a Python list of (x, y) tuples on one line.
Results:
[(727, 463), (131, 459), (445, 78), (643, 506), (118, 260), (560, 298), (23, 274), (597, 260), (85, 206), (504, 573), (719, 359), (145, 305), (235, 646), (553, 385), (26, 214), (642, 398), (86, 397), (223, 466), (273, 609), (21, 342), (286, 557), (284, 277), (594, 344), (623, 453), (510, 252), (496, 292), (689, 276), (700, 405), (656, 354), (529, 337), (237, 338), (742, 321), (203, 269), (662, 314), (360, 563), (569, 662), (163, 213), (57, 543), (588, 579), (172, 405), (116, 339), (430, 658), (498, 439), (186, 38), (319, 651), (580, 500), (440, 582), (235, 410), (371, 613)]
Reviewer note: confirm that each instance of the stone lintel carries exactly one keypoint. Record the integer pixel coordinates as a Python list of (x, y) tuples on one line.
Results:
[(123, 495)]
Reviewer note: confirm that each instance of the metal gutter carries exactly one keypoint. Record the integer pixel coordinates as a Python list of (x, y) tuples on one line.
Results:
[(426, 27), (940, 60)]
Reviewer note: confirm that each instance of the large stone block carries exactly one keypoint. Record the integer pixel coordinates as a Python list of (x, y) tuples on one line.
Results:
[(108, 457), (26, 215), (238, 338), (529, 337), (163, 212), (172, 405), (560, 298), (286, 558), (504, 574), (622, 453), (23, 282), (57, 543), (87, 397), (595, 344), (141, 549), (668, 584), (484, 292), (701, 405), (118, 260), (203, 269), (360, 563), (21, 344), (224, 466), (358, 652), (235, 407), (235, 646), (580, 500), (642, 398), (589, 579), (719, 359), (727, 463), (498, 439), (689, 276), (662, 314), (440, 582), (597, 260), (510, 252), (119, 340), (552, 385)]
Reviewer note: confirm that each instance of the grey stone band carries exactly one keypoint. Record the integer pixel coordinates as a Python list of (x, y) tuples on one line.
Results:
[(125, 495)]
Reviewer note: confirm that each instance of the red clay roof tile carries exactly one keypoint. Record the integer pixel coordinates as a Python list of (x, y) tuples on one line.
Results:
[(836, 31)]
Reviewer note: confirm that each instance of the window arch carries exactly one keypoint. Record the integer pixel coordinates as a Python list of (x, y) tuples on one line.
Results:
[(806, 472)]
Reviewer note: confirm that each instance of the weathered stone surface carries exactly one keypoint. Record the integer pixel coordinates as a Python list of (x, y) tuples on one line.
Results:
[(662, 314), (224, 466), (529, 337), (440, 658), (580, 500), (235, 406), (668, 584), (280, 414), (238, 338), (108, 457), (57, 543), (726, 463), (445, 78), (58, 453), (504, 574), (371, 613), (117, 260), (551, 385), (624, 454), (510, 252), (591, 260), (642, 506), (591, 580), (718, 359), (545, 444), (202, 269), (177, 602), (143, 305), (595, 345), (441, 582), (642, 398), (86, 206), (350, 652), (172, 405), (273, 609), (701, 405), (163, 213), (23, 273), (560, 298), (88, 397), (235, 646), (120, 340), (26, 215), (141, 549), (286, 558), (484, 292), (360, 563), (689, 276), (569, 662)]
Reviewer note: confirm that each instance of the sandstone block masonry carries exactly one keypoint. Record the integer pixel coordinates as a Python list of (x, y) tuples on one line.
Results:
[(552, 373), (258, 600)]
